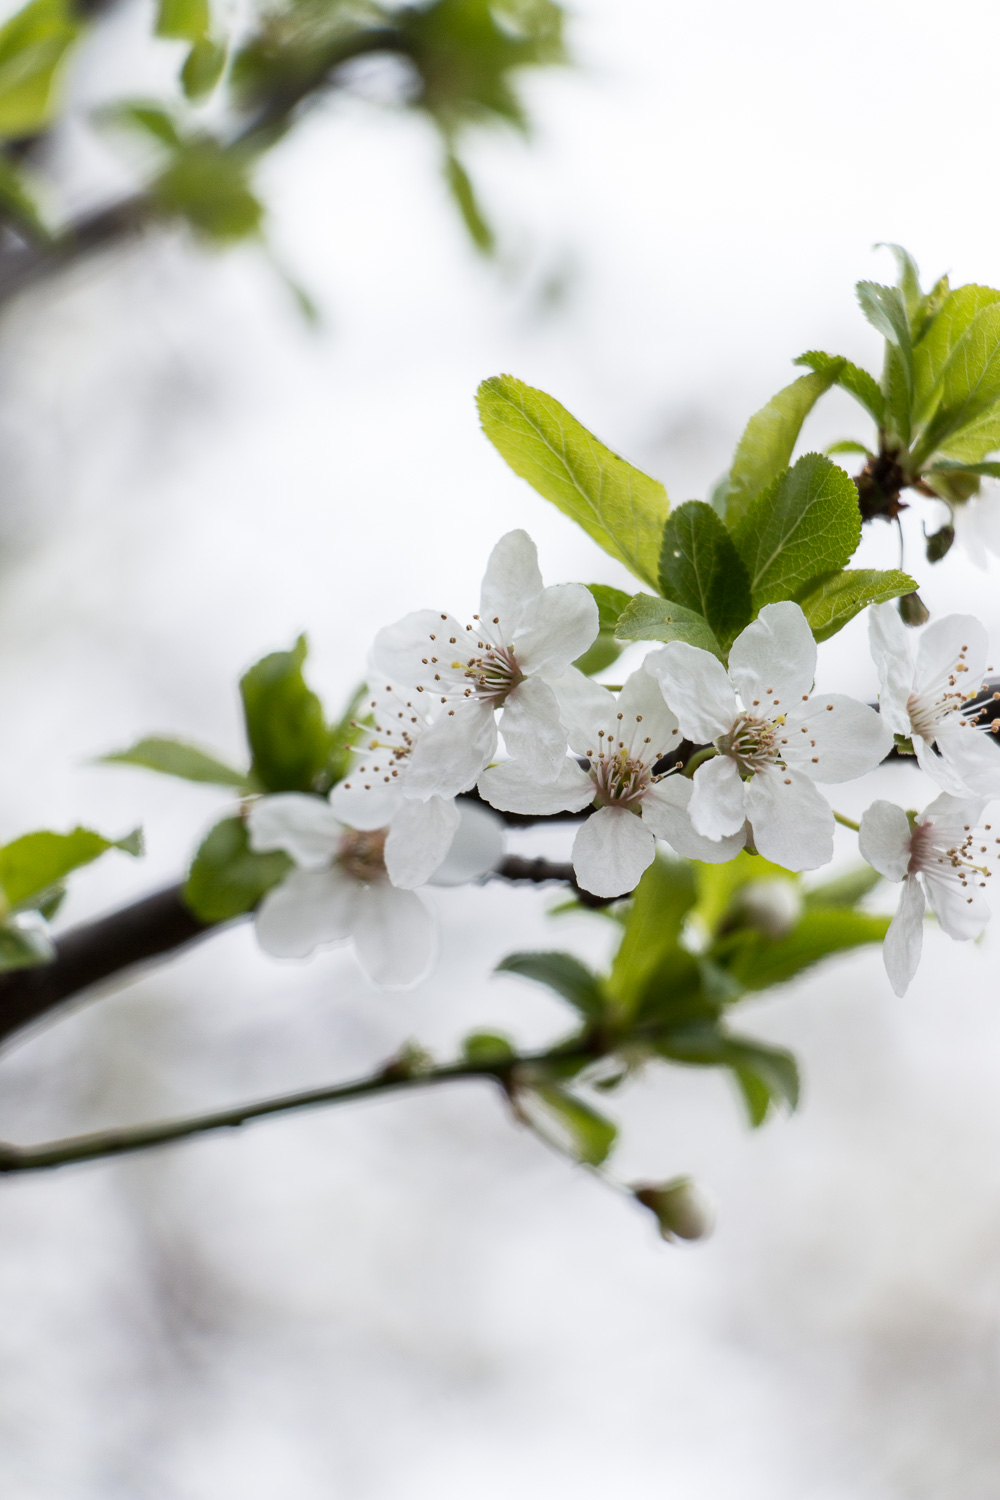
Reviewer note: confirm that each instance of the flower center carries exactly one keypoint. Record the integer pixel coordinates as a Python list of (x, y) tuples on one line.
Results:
[(394, 733), (494, 674), (940, 699), (362, 855), (620, 779), (965, 862), (752, 743)]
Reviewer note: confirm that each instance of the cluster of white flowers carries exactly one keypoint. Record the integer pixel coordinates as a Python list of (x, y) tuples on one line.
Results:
[(446, 692)]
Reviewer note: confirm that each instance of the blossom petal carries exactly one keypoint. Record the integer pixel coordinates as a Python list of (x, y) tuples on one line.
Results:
[(511, 583), (419, 645), (945, 644), (532, 728), (611, 851), (452, 751), (559, 626), (420, 836), (884, 839), (395, 936), (972, 757), (792, 822), (774, 659), (511, 787), (937, 766), (476, 849), (303, 827), (904, 940), (953, 817), (307, 908), (645, 721), (962, 910), (585, 706), (665, 812), (890, 648), (834, 738), (697, 687), (718, 801), (363, 803)]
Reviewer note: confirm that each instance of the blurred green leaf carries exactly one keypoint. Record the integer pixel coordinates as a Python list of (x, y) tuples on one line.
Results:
[(286, 730), (24, 946), (701, 570), (37, 861), (484, 1048), (589, 1136), (16, 202), (203, 67), (183, 20), (833, 601), (463, 193), (150, 119), (651, 619), (616, 504), (208, 186), (662, 899), (563, 973), (174, 758), (804, 525), (758, 962), (851, 378), (844, 890), (766, 1075), (765, 448), (345, 735), (227, 877), (33, 45), (717, 885)]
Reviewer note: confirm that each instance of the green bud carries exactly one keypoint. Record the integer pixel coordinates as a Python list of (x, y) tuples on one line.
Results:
[(939, 543), (913, 610), (680, 1211)]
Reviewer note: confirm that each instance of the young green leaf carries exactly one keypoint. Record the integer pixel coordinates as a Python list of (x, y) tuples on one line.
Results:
[(805, 524), (758, 962), (935, 348), (17, 203), (969, 384), (844, 890), (611, 604), (33, 46), (209, 187), (227, 877), (605, 649), (174, 758), (662, 899), (766, 1075), (832, 601), (464, 195), (701, 570), (484, 1048), (563, 973), (768, 440), (650, 619), (908, 283), (203, 67), (885, 309), (37, 861), (851, 378), (285, 726), (183, 20), (615, 503), (345, 734), (580, 1130), (718, 885), (24, 946)]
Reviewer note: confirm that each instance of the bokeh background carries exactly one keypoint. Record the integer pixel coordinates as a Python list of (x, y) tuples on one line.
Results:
[(412, 1298)]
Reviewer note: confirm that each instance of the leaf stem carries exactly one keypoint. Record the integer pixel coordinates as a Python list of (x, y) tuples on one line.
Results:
[(846, 822)]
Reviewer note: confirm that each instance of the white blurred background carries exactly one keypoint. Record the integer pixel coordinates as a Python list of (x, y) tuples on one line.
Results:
[(411, 1298)]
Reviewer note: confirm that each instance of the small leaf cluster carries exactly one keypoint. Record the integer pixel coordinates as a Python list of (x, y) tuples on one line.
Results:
[(33, 872)]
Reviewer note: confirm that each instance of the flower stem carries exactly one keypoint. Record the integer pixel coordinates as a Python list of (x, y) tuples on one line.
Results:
[(698, 758), (846, 822)]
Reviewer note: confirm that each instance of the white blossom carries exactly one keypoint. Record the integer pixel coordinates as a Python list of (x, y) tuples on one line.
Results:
[(928, 698), (774, 739), (941, 857), (339, 889), (622, 741), (523, 636), (977, 524)]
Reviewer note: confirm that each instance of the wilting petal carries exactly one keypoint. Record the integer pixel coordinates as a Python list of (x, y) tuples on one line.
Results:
[(774, 659), (511, 787), (303, 827), (697, 687), (452, 751), (890, 648), (962, 910), (903, 941), (419, 837), (406, 651), (511, 583), (665, 813), (834, 738), (611, 851), (395, 936), (308, 908), (476, 849), (532, 728), (559, 626), (944, 644), (971, 760), (791, 821), (718, 801), (585, 707), (884, 839), (366, 801)]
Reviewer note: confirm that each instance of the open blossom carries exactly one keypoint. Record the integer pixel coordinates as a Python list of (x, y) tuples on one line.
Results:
[(929, 698), (623, 740), (943, 858), (977, 524), (774, 738), (523, 636), (339, 889)]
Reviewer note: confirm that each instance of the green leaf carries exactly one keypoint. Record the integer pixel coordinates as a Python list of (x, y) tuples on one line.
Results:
[(17, 203), (766, 1075), (203, 67), (969, 385), (885, 309), (846, 889), (24, 946), (563, 973), (836, 599), (848, 445), (151, 120), (227, 877), (483, 1048), (208, 186), (37, 861), (605, 649), (620, 507), (33, 45), (174, 758), (701, 570), (955, 466), (662, 899), (285, 726), (805, 524), (758, 962), (908, 283), (718, 885), (935, 348), (611, 604), (650, 619), (768, 440), (851, 378), (463, 193), (183, 20), (345, 734), (589, 1136)]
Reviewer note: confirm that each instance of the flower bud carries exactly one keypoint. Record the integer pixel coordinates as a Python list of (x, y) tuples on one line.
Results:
[(913, 610), (772, 906), (679, 1208)]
